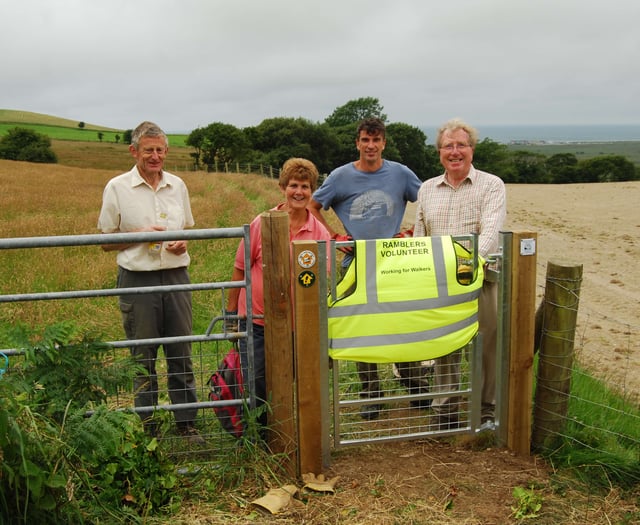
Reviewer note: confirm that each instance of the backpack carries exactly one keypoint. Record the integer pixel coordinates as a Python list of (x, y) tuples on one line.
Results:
[(226, 385)]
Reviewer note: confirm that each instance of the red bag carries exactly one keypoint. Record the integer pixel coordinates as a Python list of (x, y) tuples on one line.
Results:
[(226, 385)]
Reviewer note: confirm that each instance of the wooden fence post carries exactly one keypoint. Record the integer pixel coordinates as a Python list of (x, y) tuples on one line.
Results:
[(559, 317), (278, 339), (311, 363), (521, 329)]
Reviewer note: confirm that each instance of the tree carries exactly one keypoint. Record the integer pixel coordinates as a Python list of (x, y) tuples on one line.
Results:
[(100, 136), (493, 157), (607, 168), (356, 110), (26, 145), (218, 142), (562, 168), (531, 167), (275, 140), (117, 138), (126, 136), (81, 125), (411, 144)]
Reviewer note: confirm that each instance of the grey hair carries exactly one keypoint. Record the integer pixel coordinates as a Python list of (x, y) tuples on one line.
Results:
[(147, 129), (453, 125)]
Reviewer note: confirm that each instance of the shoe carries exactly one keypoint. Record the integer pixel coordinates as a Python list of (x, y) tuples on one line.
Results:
[(487, 423), (370, 412), (191, 435)]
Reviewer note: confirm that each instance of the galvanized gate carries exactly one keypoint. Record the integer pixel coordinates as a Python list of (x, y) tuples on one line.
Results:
[(209, 347), (401, 412)]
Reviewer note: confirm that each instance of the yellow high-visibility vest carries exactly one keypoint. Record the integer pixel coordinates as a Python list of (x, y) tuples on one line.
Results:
[(405, 299)]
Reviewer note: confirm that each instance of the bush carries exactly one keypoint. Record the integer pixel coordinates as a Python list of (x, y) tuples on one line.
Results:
[(64, 456), (26, 145)]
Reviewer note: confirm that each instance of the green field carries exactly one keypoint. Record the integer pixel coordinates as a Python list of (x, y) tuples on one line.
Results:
[(64, 129), (585, 150)]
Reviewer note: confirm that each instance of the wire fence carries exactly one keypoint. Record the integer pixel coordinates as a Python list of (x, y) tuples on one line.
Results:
[(228, 167), (601, 412)]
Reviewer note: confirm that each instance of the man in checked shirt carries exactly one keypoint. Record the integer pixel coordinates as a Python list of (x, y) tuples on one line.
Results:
[(461, 201)]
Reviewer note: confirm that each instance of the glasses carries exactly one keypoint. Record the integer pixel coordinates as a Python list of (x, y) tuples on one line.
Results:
[(451, 147), (148, 152)]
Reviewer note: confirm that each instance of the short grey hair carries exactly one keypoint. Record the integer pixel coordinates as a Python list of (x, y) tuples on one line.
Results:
[(147, 129), (454, 125)]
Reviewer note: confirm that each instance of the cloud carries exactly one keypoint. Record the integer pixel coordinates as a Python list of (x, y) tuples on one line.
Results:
[(189, 63)]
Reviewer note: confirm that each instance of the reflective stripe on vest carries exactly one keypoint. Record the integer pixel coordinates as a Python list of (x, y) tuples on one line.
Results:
[(401, 300)]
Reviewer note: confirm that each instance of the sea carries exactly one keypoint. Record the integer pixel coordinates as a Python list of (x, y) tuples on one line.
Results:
[(551, 134)]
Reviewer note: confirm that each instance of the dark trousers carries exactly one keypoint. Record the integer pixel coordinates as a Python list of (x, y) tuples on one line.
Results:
[(259, 366), (412, 377), (146, 316)]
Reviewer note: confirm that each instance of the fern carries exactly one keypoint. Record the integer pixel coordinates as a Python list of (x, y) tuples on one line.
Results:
[(60, 373)]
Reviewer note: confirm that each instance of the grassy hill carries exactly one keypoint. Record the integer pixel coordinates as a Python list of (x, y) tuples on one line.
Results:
[(58, 128), (83, 148), (13, 116)]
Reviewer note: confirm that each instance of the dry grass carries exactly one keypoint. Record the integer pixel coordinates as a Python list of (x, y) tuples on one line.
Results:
[(112, 156), (43, 200), (446, 482)]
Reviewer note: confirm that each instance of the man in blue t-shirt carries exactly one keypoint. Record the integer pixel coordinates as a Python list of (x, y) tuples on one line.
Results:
[(369, 196)]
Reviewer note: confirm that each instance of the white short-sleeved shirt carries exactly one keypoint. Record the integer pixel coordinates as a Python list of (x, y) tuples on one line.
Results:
[(129, 203)]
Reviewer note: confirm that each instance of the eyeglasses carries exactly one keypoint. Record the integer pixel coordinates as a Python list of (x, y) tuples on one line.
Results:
[(451, 147)]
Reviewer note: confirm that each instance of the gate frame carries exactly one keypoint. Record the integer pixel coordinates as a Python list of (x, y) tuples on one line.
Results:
[(149, 237), (516, 274)]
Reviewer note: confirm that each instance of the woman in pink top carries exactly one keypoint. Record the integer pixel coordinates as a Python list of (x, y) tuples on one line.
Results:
[(298, 180)]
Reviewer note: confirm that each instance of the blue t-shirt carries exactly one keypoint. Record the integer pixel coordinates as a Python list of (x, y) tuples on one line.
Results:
[(370, 205)]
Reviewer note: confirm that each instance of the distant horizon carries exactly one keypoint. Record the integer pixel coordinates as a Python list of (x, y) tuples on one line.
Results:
[(550, 133), (479, 127), (502, 133)]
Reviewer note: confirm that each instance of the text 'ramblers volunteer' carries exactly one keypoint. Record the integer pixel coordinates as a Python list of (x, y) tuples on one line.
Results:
[(404, 300), (399, 247)]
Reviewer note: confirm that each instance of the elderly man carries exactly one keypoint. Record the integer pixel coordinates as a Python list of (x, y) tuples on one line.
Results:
[(461, 201), (150, 199)]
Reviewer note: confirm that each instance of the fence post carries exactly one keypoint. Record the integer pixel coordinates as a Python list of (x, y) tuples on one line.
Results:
[(521, 330), (559, 317), (311, 363), (278, 339)]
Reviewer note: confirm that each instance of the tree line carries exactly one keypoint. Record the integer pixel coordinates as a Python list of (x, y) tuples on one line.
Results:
[(331, 143)]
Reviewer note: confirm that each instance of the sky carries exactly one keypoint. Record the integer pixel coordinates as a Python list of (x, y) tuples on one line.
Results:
[(185, 64)]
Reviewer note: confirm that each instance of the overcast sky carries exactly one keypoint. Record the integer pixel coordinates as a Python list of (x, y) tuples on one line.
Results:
[(188, 63)]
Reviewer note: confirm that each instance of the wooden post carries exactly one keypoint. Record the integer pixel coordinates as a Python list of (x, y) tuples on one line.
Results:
[(310, 361), (521, 328), (559, 317), (278, 339)]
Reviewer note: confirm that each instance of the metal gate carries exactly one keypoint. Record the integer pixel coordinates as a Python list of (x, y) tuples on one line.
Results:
[(208, 347), (401, 412)]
